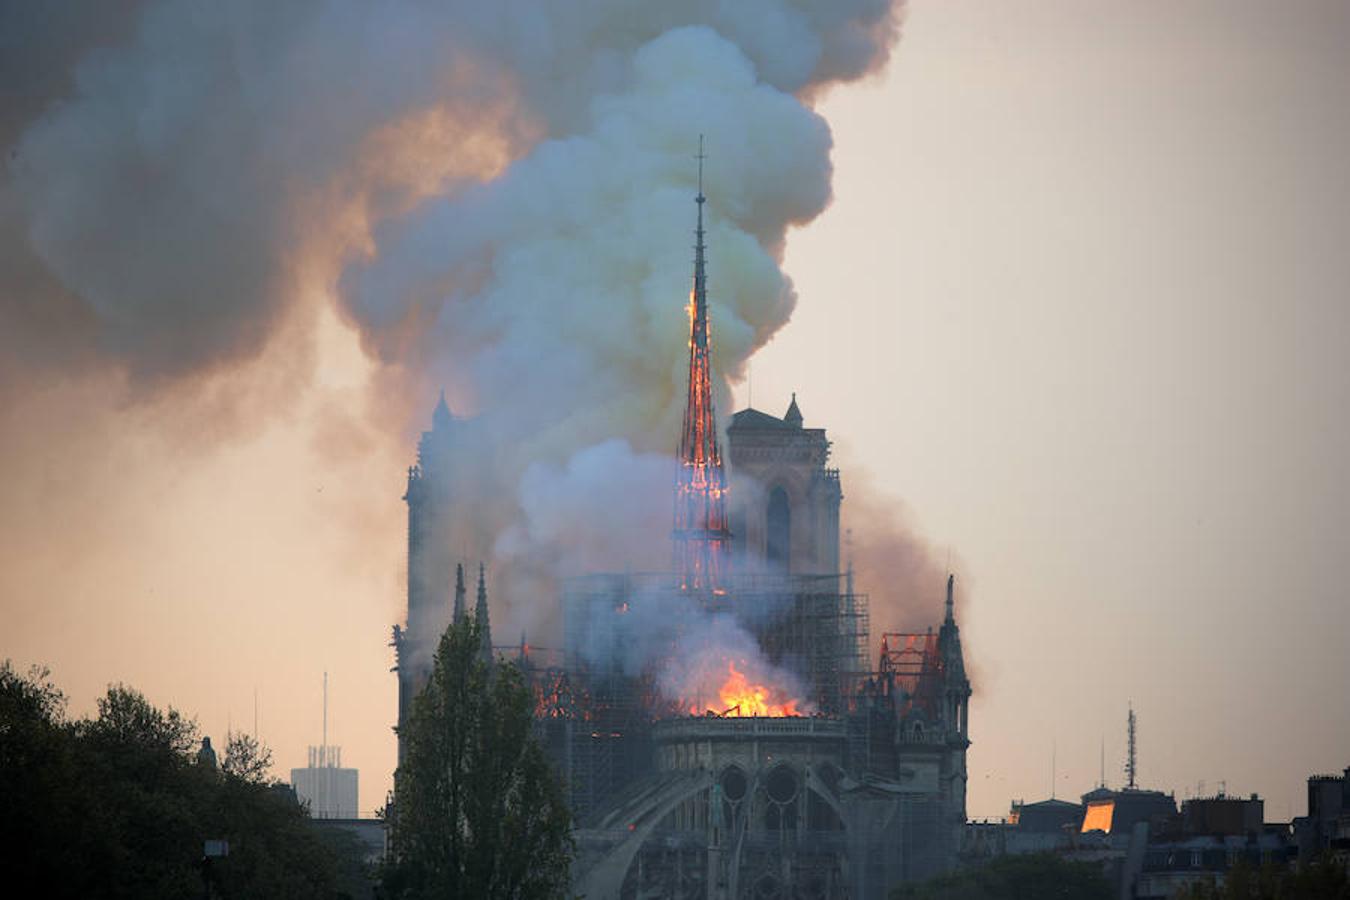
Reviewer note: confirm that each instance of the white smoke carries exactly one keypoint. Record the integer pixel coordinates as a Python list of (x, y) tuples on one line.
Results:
[(605, 503), (652, 628), (705, 656)]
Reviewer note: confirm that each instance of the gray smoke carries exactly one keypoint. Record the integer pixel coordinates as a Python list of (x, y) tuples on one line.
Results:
[(498, 196), (176, 168), (551, 300)]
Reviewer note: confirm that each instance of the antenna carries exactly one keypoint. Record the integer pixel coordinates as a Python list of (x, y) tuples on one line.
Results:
[(1102, 775), (325, 714), (1131, 759), (1053, 762)]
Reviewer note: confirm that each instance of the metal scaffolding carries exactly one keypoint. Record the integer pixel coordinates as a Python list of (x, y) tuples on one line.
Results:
[(596, 705)]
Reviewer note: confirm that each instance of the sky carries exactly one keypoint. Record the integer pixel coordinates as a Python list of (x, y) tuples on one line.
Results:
[(1082, 305), (1076, 314)]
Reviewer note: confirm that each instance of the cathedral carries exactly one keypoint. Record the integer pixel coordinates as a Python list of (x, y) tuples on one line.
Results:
[(842, 779)]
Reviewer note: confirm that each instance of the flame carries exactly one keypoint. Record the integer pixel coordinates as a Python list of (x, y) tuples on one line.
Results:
[(740, 697)]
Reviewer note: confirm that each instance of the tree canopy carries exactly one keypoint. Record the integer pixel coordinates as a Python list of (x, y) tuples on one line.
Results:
[(477, 811), (1318, 879), (118, 806)]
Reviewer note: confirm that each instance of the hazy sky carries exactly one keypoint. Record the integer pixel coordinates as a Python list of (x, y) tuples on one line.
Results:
[(1079, 309), (1083, 304)]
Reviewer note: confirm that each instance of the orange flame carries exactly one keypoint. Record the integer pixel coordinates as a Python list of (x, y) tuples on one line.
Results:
[(742, 698)]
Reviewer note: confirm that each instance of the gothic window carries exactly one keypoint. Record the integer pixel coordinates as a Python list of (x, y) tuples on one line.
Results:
[(779, 531)]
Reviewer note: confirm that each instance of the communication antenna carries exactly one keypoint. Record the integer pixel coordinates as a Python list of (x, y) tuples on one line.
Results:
[(1131, 759), (1102, 775), (325, 714), (1054, 749)]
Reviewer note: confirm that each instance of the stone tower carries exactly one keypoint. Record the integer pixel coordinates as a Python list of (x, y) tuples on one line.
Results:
[(956, 716), (430, 508), (784, 500)]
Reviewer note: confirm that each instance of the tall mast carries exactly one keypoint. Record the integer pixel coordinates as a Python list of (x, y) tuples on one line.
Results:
[(701, 535), (1131, 760)]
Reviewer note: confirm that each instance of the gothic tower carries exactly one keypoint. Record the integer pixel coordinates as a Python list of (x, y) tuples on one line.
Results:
[(784, 499), (956, 714), (429, 509)]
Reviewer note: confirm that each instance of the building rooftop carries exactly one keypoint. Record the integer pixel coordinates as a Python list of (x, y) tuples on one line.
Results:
[(753, 418)]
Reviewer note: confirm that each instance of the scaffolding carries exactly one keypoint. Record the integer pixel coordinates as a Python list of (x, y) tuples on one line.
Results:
[(595, 707), (911, 669), (803, 623)]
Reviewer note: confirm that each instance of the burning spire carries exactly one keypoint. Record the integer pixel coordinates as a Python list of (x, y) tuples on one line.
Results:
[(701, 535)]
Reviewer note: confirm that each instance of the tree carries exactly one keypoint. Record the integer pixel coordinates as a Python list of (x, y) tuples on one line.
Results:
[(476, 811), (1021, 877), (1322, 878), (117, 806), (246, 758), (41, 810)]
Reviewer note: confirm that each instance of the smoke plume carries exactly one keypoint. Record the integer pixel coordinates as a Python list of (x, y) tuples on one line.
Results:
[(497, 197), (904, 576)]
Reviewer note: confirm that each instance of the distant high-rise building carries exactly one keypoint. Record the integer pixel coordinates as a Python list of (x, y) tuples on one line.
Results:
[(327, 789)]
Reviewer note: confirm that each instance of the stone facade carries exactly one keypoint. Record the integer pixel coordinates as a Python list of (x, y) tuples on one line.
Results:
[(784, 500)]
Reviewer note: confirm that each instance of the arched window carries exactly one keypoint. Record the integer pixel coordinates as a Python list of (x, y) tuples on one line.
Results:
[(779, 532)]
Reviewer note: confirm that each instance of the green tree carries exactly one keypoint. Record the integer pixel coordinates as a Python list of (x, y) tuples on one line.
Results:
[(246, 758), (1323, 878), (42, 809), (477, 811), (117, 806), (1037, 876)]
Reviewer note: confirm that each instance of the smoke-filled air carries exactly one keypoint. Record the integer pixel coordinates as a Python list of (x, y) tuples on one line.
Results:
[(498, 198)]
